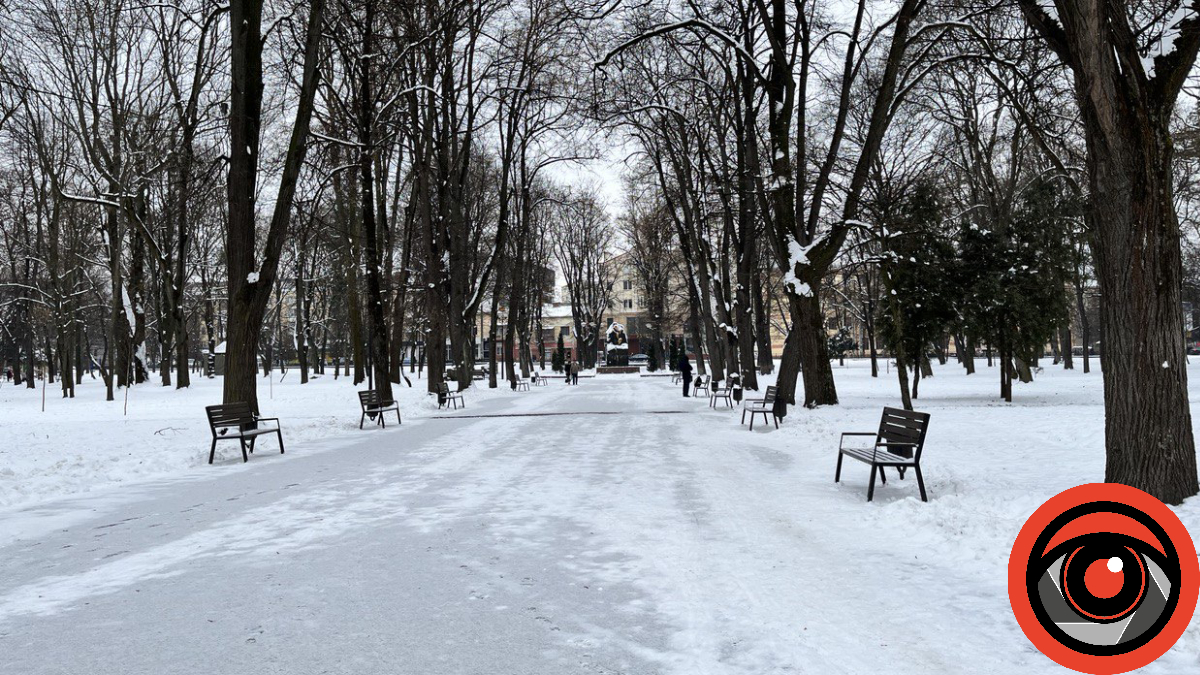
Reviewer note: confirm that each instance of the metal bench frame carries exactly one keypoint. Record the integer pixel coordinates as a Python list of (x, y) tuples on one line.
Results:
[(447, 397), (521, 385), (899, 443), (243, 422), (761, 406), (371, 405), (721, 392)]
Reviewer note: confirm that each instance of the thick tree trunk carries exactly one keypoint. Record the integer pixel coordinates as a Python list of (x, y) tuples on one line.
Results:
[(1148, 423), (812, 344), (1135, 237), (370, 220), (250, 284)]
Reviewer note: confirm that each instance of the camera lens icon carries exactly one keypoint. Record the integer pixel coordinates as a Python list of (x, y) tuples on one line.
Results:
[(1106, 593), (1103, 578)]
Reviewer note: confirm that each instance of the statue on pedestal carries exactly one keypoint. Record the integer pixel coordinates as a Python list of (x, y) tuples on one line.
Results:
[(617, 348)]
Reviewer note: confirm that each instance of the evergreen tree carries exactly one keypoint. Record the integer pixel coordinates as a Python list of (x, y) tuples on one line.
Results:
[(1014, 275), (559, 358), (918, 267), (842, 343)]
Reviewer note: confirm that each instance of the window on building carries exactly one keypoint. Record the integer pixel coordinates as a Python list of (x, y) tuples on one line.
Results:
[(628, 285), (628, 304)]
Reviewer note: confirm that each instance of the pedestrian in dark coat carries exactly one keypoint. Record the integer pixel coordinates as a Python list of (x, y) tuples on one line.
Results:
[(685, 367), (575, 373), (567, 373)]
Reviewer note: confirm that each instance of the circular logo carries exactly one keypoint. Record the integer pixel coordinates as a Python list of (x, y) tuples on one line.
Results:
[(1103, 578)]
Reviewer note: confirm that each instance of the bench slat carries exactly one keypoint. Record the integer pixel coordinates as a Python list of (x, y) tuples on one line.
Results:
[(882, 457)]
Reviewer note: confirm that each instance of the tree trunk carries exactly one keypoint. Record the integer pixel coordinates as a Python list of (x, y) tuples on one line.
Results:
[(1126, 112), (1085, 328), (1065, 340), (250, 288), (812, 356), (374, 260), (766, 359), (1148, 424)]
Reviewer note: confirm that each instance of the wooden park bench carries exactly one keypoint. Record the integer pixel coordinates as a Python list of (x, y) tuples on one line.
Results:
[(522, 384), (761, 406), (722, 391), (700, 384), (237, 422), (371, 405), (898, 444), (447, 397)]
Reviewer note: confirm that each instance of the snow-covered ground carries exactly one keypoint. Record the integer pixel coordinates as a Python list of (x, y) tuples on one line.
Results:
[(82, 444), (661, 537)]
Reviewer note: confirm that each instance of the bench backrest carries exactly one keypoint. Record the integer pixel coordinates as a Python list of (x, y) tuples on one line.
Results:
[(369, 399), (903, 426), (699, 381), (769, 397), (443, 388), (229, 415)]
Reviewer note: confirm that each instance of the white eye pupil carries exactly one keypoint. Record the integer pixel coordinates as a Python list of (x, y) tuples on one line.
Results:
[(1115, 565)]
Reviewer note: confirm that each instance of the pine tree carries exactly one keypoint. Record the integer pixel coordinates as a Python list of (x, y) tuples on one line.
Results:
[(559, 358), (918, 271), (842, 343), (1013, 275)]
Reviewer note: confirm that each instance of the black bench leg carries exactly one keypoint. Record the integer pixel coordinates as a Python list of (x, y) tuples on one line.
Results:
[(398, 421), (362, 419), (921, 483), (279, 434), (245, 457), (776, 419), (883, 474), (871, 487), (752, 420), (212, 452), (252, 440), (743, 415), (837, 475)]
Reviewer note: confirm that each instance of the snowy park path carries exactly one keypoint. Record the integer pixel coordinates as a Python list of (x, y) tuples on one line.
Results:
[(521, 538)]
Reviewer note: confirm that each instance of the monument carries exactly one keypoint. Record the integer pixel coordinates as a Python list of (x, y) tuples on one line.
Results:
[(616, 350)]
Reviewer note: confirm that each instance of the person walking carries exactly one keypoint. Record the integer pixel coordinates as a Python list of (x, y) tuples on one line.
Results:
[(685, 367), (567, 373), (575, 374)]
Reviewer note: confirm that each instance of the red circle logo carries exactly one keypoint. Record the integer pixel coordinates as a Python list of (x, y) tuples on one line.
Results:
[(1103, 578)]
